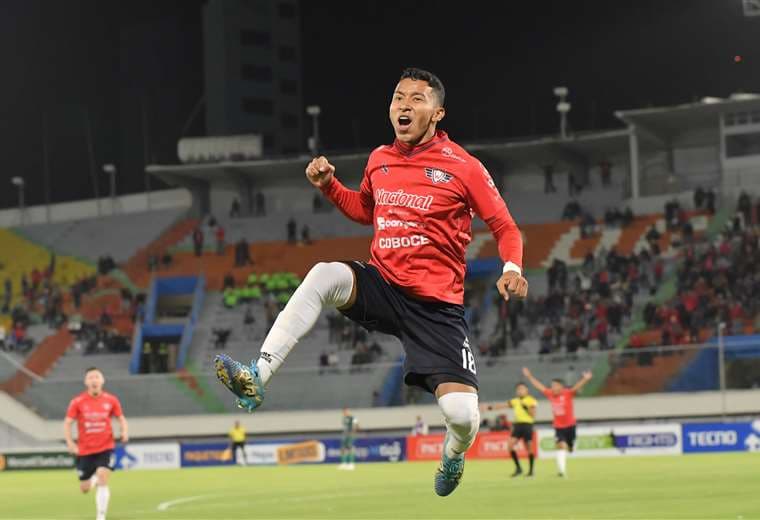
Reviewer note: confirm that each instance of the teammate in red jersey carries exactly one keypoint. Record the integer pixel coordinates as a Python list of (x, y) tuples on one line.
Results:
[(92, 410), (561, 399), (420, 194)]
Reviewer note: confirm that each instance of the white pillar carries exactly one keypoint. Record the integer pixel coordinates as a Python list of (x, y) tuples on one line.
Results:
[(633, 147)]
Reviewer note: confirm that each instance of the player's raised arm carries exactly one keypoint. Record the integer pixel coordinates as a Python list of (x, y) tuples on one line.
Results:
[(535, 382), (487, 202), (585, 378), (497, 406), (356, 205)]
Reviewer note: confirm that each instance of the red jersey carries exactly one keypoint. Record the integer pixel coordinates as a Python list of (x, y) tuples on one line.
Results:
[(93, 417), (562, 407), (421, 202)]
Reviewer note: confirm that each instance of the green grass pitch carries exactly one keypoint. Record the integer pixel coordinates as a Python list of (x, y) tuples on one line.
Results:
[(688, 487)]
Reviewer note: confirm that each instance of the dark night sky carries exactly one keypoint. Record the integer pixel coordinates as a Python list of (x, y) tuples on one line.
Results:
[(110, 62)]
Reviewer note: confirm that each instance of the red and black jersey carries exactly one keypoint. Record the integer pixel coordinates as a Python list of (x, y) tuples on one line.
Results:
[(421, 202)]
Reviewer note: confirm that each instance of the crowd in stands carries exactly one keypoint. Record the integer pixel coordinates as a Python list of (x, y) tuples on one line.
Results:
[(346, 335), (716, 282), (158, 357)]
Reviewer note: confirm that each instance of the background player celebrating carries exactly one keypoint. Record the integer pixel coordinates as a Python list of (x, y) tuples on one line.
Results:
[(420, 193), (92, 410), (524, 406), (347, 451), (561, 399)]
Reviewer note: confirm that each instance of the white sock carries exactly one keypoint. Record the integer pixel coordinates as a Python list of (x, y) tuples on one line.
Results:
[(102, 495), (93, 481), (562, 461), (327, 284), (462, 421)]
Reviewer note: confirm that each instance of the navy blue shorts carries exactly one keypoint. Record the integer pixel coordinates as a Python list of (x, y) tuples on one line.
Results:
[(434, 334)]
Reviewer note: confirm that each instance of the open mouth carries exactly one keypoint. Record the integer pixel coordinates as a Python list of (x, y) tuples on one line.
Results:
[(404, 122)]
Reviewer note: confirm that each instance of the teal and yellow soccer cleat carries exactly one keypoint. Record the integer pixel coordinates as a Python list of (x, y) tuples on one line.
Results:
[(449, 473), (241, 380)]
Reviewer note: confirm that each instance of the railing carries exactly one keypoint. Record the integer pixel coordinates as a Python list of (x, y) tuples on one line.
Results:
[(687, 368)]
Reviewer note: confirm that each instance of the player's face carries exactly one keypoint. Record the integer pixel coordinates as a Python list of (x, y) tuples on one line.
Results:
[(521, 390), (414, 111), (557, 388), (94, 381)]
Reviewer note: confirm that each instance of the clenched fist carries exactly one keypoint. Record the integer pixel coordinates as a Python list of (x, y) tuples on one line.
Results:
[(320, 172), (512, 284)]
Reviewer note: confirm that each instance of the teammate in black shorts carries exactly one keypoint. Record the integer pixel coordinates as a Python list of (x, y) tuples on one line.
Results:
[(524, 406)]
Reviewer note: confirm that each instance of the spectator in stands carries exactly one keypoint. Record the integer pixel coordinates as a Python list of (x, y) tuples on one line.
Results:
[(333, 361), (220, 338), (572, 210), (229, 281), (198, 241), (710, 201), (744, 205), (24, 285), (323, 363), (235, 208), (7, 296), (105, 318), (305, 235), (249, 323), (317, 203), (549, 179), (699, 198), (242, 253), (653, 235), (588, 224), (261, 204), (571, 185), (672, 208), (605, 172), (291, 230), (166, 259), (219, 232)]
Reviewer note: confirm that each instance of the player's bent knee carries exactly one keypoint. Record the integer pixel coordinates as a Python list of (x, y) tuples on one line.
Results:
[(460, 409), (333, 281)]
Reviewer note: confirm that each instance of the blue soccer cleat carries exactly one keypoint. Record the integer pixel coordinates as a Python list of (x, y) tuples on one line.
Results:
[(241, 380), (449, 473)]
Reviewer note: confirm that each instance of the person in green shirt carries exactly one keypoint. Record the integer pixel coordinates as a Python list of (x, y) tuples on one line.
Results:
[(347, 451)]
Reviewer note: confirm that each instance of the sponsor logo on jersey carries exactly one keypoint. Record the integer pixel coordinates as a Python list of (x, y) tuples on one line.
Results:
[(402, 242), (388, 223), (437, 176), (403, 199), (448, 152), (385, 169)]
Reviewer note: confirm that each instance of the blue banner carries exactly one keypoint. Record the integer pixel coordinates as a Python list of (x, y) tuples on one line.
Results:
[(717, 437)]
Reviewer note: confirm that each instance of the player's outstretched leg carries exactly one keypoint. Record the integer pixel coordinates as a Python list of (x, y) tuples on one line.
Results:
[(462, 422), (562, 459), (327, 284)]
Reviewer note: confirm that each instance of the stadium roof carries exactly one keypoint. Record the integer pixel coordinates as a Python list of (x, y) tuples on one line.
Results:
[(581, 149), (666, 123)]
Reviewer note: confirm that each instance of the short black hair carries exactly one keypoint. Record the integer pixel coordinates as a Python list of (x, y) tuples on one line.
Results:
[(91, 369), (434, 81), (558, 380), (520, 383)]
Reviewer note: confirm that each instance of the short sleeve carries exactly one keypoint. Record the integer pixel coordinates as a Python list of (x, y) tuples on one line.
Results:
[(73, 410), (116, 410)]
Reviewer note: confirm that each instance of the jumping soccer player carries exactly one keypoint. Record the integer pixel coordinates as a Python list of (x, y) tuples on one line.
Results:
[(92, 410), (561, 399), (421, 194), (524, 406), (347, 451)]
